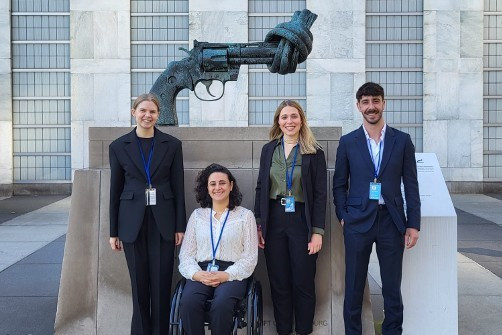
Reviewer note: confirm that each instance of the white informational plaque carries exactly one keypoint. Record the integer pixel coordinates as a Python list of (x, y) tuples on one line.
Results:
[(429, 285), (434, 194)]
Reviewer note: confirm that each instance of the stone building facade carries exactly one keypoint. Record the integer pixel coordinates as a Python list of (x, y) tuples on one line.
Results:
[(67, 65)]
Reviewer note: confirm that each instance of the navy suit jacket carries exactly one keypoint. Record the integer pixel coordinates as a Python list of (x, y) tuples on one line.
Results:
[(128, 183), (314, 178), (354, 171)]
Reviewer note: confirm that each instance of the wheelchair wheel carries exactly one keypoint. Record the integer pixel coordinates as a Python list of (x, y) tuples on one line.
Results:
[(255, 311), (175, 325)]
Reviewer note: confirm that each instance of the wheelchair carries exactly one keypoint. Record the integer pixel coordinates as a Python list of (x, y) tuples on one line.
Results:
[(248, 313)]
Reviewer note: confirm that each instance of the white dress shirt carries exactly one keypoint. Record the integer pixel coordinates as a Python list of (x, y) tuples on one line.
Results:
[(376, 152), (239, 242)]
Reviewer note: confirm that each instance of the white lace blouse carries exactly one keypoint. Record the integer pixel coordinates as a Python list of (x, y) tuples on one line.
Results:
[(239, 242)]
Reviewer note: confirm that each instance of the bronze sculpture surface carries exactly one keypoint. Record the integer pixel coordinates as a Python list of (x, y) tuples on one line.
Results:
[(285, 46)]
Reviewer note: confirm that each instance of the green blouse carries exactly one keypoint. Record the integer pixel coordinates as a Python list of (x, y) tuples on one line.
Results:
[(278, 187)]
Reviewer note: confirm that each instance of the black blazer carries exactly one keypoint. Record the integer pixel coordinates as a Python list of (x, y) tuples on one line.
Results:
[(128, 183), (354, 170), (314, 186)]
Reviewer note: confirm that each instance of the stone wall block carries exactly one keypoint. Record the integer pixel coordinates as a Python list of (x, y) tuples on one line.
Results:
[(448, 37), (441, 5), (459, 153), (471, 89), (82, 96), (435, 141), (78, 291), (476, 135), (82, 34), (447, 104), (114, 286), (5, 33), (106, 33), (471, 30), (197, 154), (6, 163)]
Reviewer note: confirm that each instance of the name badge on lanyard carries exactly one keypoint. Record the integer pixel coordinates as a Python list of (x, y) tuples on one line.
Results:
[(212, 267), (375, 187), (289, 204), (150, 192)]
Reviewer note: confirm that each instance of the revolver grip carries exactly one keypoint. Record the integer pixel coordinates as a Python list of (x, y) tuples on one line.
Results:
[(174, 79)]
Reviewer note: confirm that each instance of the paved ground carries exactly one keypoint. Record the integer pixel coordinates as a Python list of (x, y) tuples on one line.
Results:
[(32, 243)]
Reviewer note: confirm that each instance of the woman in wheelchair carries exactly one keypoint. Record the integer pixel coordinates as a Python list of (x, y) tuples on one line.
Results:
[(218, 254)]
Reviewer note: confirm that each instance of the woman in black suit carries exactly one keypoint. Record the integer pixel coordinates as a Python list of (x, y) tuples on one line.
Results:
[(147, 213), (290, 209)]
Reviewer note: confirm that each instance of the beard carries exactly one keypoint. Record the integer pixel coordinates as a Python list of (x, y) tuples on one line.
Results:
[(376, 113)]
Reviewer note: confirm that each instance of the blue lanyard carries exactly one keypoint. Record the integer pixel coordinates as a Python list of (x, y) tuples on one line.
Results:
[(221, 233), (289, 178), (146, 165), (379, 158)]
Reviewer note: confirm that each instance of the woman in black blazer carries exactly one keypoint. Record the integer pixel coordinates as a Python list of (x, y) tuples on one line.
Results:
[(290, 209), (147, 213)]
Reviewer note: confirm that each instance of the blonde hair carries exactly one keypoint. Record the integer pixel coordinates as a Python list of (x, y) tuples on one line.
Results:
[(146, 97), (308, 143)]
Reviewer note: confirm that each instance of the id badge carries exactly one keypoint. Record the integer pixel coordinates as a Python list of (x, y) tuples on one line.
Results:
[(150, 197), (212, 267), (375, 191), (289, 207)]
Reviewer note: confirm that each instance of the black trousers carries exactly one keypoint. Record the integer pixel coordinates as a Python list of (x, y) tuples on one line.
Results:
[(222, 299), (291, 270), (150, 261), (389, 247)]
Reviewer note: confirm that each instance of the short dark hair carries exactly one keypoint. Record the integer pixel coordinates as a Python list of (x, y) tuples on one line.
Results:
[(371, 90), (202, 195)]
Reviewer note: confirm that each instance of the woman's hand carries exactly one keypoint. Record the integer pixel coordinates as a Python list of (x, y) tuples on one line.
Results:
[(115, 244), (315, 244), (261, 240), (213, 278), (178, 238)]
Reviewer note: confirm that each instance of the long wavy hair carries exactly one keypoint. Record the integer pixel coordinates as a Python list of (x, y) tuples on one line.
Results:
[(201, 193), (308, 143)]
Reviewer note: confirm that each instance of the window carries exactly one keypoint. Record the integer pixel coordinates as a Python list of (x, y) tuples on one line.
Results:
[(492, 90), (267, 90), (41, 90), (394, 59), (158, 29)]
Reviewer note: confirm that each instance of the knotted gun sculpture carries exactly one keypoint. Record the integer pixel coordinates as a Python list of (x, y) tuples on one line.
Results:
[(285, 46)]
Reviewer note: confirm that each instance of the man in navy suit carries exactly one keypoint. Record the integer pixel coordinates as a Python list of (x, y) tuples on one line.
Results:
[(371, 162)]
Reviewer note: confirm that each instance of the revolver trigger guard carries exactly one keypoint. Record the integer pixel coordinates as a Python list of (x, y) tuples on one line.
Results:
[(208, 83)]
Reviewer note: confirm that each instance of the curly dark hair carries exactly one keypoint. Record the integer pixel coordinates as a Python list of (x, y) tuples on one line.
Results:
[(370, 89), (202, 195)]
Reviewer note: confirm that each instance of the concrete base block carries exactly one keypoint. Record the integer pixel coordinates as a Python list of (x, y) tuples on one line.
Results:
[(94, 296), (5, 190), (94, 292), (42, 189)]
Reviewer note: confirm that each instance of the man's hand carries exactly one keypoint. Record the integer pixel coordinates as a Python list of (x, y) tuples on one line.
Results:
[(178, 238), (315, 244), (115, 244), (261, 240), (410, 238)]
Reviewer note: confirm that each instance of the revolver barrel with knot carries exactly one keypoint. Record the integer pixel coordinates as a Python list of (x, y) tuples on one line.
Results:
[(285, 46)]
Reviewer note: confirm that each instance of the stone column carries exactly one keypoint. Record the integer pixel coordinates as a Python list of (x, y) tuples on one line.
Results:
[(6, 173), (100, 70), (223, 21), (453, 88), (336, 66), (335, 70)]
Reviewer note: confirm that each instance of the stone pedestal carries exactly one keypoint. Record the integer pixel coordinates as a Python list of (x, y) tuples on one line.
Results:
[(94, 291)]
